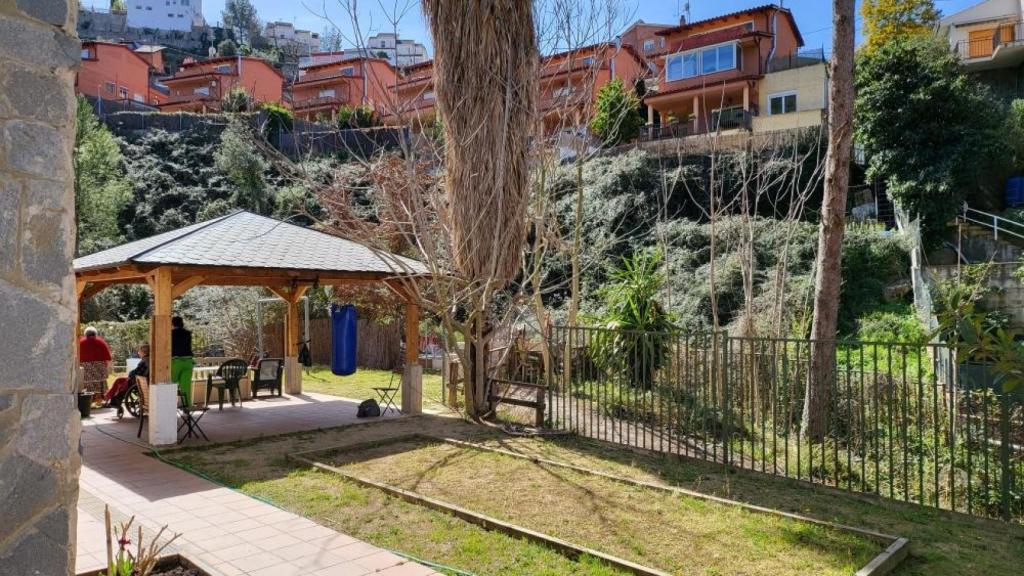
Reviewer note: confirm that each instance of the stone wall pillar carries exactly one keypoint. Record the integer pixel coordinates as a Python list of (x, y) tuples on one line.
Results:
[(39, 426)]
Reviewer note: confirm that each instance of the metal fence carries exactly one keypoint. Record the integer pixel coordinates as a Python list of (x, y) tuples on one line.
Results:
[(897, 422)]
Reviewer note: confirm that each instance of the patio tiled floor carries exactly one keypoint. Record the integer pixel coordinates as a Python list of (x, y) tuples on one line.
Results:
[(223, 531)]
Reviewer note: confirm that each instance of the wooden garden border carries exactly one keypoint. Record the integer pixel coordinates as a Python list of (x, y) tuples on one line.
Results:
[(896, 547)]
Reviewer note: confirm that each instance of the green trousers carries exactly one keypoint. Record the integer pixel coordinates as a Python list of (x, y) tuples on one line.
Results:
[(181, 373)]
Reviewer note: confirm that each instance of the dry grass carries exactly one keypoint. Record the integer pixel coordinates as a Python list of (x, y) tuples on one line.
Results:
[(672, 532)]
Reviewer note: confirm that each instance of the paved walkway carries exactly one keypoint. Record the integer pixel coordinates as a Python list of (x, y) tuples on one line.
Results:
[(224, 532)]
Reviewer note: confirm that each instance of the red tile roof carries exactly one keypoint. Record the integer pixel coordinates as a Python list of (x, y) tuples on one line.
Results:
[(766, 7)]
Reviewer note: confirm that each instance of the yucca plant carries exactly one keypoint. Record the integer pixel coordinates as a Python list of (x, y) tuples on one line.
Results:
[(636, 333)]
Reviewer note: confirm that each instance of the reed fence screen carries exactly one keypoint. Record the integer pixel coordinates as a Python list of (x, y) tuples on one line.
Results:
[(903, 421)]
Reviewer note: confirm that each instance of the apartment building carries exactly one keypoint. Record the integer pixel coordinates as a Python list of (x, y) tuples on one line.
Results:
[(285, 35), (414, 97), (321, 89), (400, 52), (165, 14), (739, 71), (117, 72), (570, 81), (989, 38), (199, 86)]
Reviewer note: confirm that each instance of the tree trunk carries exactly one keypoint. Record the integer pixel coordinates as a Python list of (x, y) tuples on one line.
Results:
[(828, 276)]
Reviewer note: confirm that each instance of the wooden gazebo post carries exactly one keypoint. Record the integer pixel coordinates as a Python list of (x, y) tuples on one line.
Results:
[(412, 373), (292, 296), (163, 393)]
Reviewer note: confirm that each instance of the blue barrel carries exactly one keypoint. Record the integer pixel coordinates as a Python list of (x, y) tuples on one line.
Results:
[(1015, 191), (343, 339)]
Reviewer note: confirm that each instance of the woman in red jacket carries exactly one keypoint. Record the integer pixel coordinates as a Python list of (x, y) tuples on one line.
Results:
[(94, 355)]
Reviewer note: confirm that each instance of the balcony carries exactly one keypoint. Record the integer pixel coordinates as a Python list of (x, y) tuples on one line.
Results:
[(320, 102), (999, 47), (730, 119), (310, 78), (190, 99)]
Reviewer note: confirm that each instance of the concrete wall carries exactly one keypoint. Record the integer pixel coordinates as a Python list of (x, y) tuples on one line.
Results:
[(39, 425), (810, 84)]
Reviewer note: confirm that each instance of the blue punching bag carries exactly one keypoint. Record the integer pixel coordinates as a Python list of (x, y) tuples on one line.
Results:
[(343, 339)]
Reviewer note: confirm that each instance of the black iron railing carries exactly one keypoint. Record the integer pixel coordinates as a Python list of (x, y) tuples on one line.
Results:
[(901, 421)]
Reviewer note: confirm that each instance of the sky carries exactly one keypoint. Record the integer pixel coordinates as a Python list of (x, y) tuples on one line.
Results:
[(812, 16)]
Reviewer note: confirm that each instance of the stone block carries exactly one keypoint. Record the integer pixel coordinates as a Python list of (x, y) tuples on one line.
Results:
[(47, 426), (50, 11), (37, 45), (36, 149), (32, 96), (26, 487), (10, 200), (45, 259), (41, 356), (41, 551)]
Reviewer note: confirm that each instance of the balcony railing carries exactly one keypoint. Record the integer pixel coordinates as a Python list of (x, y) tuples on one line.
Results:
[(985, 47), (798, 59), (319, 102), (187, 98), (731, 119), (328, 75)]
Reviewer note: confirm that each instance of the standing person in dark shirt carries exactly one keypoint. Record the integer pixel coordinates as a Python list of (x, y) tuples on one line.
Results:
[(181, 357)]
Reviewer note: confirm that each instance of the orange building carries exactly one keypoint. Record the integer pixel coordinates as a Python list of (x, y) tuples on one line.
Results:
[(711, 71), (414, 97), (569, 81), (321, 89), (643, 37), (199, 86), (114, 72)]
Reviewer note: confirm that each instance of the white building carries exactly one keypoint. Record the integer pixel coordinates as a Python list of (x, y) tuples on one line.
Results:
[(988, 35), (398, 51), (284, 34), (165, 14)]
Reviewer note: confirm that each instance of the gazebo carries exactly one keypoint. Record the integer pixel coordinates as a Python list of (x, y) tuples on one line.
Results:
[(246, 249)]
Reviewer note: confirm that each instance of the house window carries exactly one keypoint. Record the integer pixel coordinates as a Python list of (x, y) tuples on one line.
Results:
[(428, 95), (327, 93), (350, 71), (718, 59), (184, 2), (109, 87), (681, 66), (703, 61), (123, 92), (204, 90), (781, 103), (562, 91), (224, 68), (588, 61), (648, 45), (86, 54)]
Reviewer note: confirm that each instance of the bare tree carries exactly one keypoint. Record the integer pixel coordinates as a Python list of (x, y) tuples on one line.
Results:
[(828, 271)]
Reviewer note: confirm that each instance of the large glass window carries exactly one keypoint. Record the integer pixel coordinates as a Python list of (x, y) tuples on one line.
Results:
[(681, 66), (697, 62)]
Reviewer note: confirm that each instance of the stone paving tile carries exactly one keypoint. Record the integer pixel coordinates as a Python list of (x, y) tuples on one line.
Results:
[(225, 532)]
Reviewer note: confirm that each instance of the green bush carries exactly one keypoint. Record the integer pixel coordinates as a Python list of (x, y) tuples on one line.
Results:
[(635, 337), (279, 119), (353, 117), (617, 116)]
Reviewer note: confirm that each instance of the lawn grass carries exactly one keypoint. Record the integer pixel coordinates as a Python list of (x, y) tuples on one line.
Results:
[(673, 532), (359, 386), (942, 543)]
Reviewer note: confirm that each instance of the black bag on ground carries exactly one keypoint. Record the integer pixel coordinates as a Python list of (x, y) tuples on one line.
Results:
[(368, 409)]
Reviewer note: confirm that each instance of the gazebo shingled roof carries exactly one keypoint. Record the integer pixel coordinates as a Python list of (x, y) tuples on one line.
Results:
[(246, 240)]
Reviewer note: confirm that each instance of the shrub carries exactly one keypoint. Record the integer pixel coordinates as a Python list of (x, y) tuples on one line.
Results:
[(617, 118), (349, 117), (279, 119), (236, 100), (636, 329)]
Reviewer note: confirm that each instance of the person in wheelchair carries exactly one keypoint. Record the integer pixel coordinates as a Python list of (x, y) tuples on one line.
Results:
[(121, 388)]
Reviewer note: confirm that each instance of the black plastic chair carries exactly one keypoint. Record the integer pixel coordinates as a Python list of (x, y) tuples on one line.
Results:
[(269, 373), (229, 375)]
